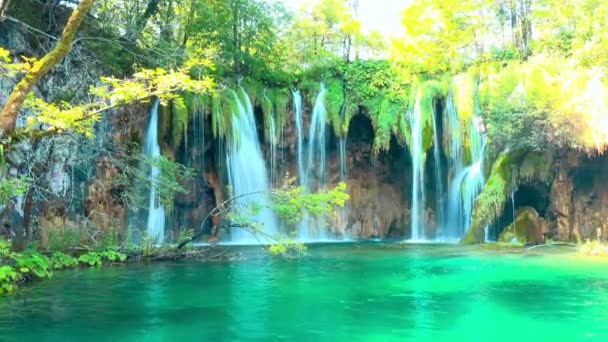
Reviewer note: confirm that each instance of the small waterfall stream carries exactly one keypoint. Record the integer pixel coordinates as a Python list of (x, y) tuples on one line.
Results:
[(342, 148), (418, 158), (312, 162), (316, 144), (439, 179), (155, 227), (297, 106), (247, 171)]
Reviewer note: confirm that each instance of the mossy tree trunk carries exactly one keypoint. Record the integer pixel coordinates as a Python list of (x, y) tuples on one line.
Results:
[(8, 116), (3, 8)]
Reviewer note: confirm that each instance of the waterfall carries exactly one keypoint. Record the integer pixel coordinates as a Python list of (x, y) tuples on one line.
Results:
[(297, 105), (316, 143), (439, 179), (247, 170), (273, 149), (342, 148), (312, 166), (155, 227), (418, 158), (466, 182)]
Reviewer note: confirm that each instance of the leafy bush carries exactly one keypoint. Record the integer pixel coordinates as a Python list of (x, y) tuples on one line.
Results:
[(113, 256), (287, 249), (8, 276), (91, 259), (5, 249), (97, 258), (33, 263), (61, 260)]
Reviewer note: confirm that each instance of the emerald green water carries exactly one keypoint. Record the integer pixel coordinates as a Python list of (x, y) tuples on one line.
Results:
[(371, 292)]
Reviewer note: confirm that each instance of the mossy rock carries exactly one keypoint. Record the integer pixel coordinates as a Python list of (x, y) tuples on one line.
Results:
[(490, 203), (527, 228)]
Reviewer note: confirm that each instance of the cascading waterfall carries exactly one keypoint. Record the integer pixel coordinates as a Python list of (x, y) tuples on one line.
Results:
[(418, 158), (273, 150), (247, 170), (312, 165), (342, 148), (316, 143), (297, 105), (155, 227), (439, 179), (466, 182)]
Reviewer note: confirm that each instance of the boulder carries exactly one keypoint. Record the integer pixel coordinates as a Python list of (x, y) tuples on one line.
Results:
[(527, 228)]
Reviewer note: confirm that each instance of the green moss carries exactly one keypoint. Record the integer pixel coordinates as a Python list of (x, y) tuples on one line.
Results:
[(527, 228), (255, 90), (197, 103), (536, 166), (490, 203), (275, 107), (334, 104), (223, 105), (179, 122), (386, 122)]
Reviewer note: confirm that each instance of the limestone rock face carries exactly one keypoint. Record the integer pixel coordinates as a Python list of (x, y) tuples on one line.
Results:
[(102, 206), (561, 205), (527, 228), (374, 208)]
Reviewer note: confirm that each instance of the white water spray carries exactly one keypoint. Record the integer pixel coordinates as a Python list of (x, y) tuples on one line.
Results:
[(155, 227)]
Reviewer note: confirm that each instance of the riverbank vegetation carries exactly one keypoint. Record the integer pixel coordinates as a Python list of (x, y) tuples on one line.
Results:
[(531, 74)]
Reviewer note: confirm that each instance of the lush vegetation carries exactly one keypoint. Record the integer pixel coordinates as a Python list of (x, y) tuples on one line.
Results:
[(533, 72)]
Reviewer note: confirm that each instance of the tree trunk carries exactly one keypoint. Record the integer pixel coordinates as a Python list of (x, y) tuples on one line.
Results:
[(151, 10), (8, 116), (3, 8)]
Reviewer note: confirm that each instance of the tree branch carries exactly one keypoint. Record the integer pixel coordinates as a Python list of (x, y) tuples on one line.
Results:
[(8, 116)]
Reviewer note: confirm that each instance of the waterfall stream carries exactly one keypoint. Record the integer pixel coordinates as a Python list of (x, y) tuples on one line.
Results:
[(418, 158), (467, 181), (247, 171), (297, 107), (155, 227), (312, 162), (439, 179)]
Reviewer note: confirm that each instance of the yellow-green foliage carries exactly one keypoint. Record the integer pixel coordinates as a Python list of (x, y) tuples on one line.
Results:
[(545, 100), (464, 96), (334, 102), (490, 203), (465, 91)]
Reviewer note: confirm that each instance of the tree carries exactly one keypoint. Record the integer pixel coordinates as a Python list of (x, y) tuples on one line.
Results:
[(8, 116), (3, 7), (326, 29), (440, 35)]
